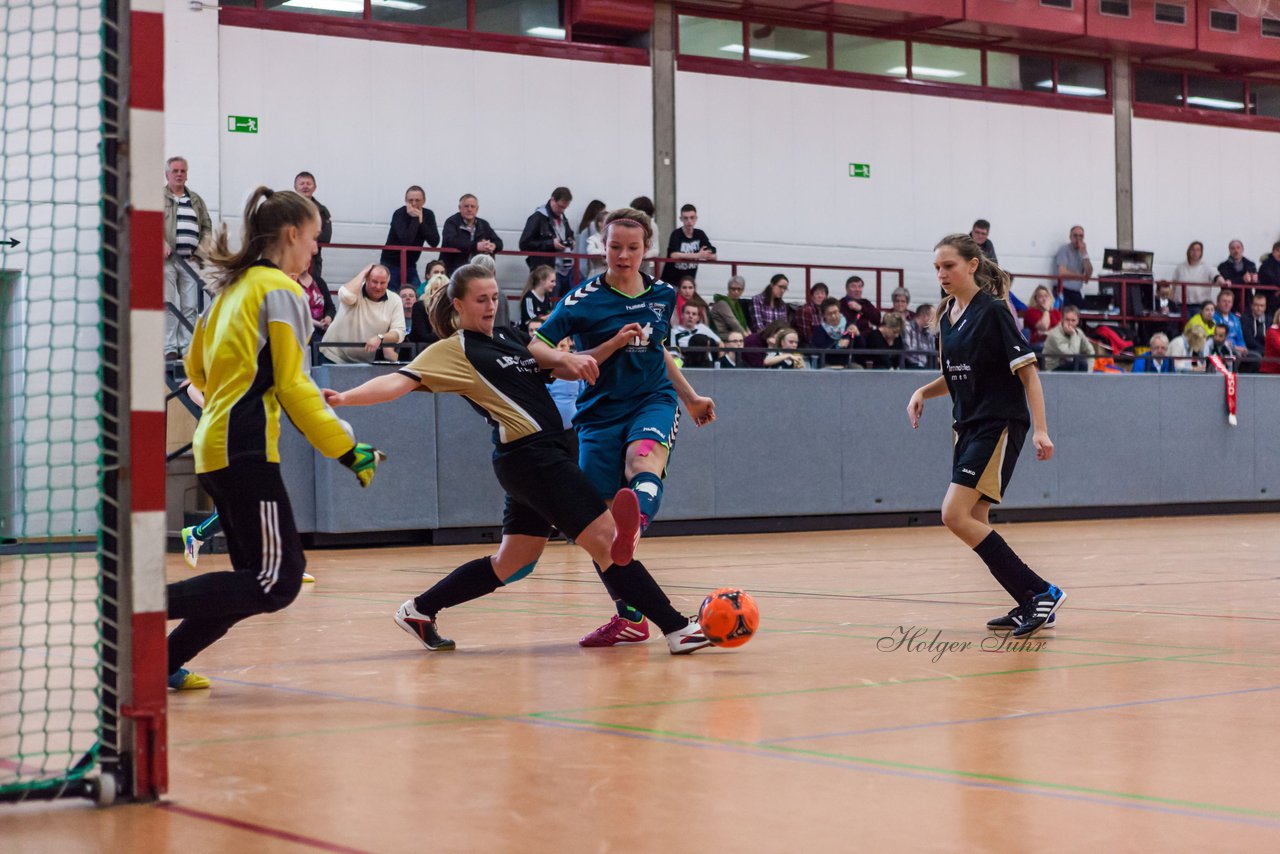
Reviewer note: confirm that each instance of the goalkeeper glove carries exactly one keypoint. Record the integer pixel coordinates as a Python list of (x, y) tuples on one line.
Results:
[(363, 460)]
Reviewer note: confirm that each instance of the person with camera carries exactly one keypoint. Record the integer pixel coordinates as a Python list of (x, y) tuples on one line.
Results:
[(547, 230)]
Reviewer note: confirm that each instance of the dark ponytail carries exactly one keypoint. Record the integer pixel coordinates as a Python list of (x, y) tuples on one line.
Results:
[(444, 320), (266, 214), (989, 276)]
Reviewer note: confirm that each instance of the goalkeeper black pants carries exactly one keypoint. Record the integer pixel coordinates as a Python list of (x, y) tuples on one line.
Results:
[(266, 560)]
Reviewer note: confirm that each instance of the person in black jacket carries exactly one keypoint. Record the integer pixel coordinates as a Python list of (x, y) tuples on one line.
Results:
[(688, 245), (420, 331), (547, 230), (1269, 274), (469, 234), (411, 225), (982, 228), (1238, 270), (887, 336), (305, 185)]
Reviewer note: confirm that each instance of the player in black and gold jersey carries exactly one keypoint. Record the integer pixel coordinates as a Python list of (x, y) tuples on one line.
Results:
[(493, 369), (990, 372), (248, 358)]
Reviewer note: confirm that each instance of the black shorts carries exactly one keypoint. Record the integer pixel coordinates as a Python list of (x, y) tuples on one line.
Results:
[(985, 454), (545, 488)]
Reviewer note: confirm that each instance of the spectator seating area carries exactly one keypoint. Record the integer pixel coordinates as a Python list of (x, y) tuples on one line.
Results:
[(758, 319)]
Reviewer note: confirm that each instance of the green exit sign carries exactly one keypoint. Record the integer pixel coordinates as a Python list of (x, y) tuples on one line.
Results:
[(859, 170), (244, 124)]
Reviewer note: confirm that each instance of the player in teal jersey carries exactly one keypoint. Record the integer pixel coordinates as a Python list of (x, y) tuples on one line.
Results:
[(627, 420)]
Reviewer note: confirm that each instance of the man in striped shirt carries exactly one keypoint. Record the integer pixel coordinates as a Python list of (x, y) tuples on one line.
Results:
[(186, 225)]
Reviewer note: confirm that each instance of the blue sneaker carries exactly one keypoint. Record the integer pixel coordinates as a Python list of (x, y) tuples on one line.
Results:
[(185, 680), (1039, 611), (191, 546)]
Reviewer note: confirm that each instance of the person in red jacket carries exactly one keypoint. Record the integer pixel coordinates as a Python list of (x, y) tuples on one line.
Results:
[(1271, 349), (1041, 316)]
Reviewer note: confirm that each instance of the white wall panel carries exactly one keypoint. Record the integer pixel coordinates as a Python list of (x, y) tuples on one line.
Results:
[(767, 163), (191, 95), (1198, 182), (371, 118)]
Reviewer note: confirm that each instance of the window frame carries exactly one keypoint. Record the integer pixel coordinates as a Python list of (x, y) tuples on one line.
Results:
[(831, 76), (365, 27), (1202, 115)]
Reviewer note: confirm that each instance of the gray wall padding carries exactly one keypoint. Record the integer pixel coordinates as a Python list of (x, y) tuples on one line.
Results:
[(817, 443)]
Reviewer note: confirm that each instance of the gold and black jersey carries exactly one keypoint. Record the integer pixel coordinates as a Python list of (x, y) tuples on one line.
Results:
[(498, 376), (982, 353), (249, 358)]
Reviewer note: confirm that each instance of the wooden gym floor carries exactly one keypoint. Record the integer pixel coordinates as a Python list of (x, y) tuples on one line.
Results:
[(1142, 722)]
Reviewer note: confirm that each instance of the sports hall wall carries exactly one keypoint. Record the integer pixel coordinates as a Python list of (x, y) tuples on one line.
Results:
[(371, 118), (1200, 182), (806, 444), (765, 161)]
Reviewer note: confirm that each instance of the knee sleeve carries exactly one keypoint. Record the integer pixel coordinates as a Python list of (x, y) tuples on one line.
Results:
[(520, 573)]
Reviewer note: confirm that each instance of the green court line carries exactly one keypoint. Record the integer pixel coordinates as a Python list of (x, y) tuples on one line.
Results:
[(544, 613), (561, 716), (340, 730), (1192, 659), (974, 639), (833, 688), (907, 766)]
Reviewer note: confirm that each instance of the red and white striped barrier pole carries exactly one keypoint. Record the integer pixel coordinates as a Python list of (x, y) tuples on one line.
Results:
[(150, 667)]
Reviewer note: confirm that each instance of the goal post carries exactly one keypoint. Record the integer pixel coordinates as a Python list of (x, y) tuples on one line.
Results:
[(82, 402)]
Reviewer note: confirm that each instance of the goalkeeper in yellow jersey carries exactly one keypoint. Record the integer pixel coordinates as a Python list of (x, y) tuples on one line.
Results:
[(248, 359)]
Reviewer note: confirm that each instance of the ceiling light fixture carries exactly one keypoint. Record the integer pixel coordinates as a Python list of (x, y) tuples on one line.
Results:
[(926, 71), (1213, 103), (1069, 89), (766, 53)]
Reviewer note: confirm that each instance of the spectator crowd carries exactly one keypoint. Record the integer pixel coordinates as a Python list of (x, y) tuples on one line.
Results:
[(1233, 309)]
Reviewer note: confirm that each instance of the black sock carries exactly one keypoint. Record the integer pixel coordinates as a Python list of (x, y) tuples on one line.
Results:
[(636, 585), (472, 580), (1018, 579), (624, 610)]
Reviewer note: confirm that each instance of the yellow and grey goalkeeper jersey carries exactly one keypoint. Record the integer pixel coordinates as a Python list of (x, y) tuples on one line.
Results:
[(249, 357)]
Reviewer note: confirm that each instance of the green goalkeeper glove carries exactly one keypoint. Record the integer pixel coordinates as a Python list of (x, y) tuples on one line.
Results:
[(363, 460)]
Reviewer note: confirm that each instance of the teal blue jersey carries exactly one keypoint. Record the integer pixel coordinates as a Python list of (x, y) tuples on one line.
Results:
[(591, 314)]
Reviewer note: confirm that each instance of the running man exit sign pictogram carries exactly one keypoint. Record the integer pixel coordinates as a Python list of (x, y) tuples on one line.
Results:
[(249, 124), (859, 170)]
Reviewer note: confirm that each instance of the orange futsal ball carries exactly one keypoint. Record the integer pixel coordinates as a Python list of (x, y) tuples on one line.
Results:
[(729, 617)]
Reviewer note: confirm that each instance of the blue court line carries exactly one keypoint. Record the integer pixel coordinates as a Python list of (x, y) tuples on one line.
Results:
[(766, 753), (1018, 716), (333, 695)]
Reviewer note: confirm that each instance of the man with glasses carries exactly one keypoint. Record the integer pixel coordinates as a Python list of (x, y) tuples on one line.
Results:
[(1073, 266), (980, 233), (729, 312)]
